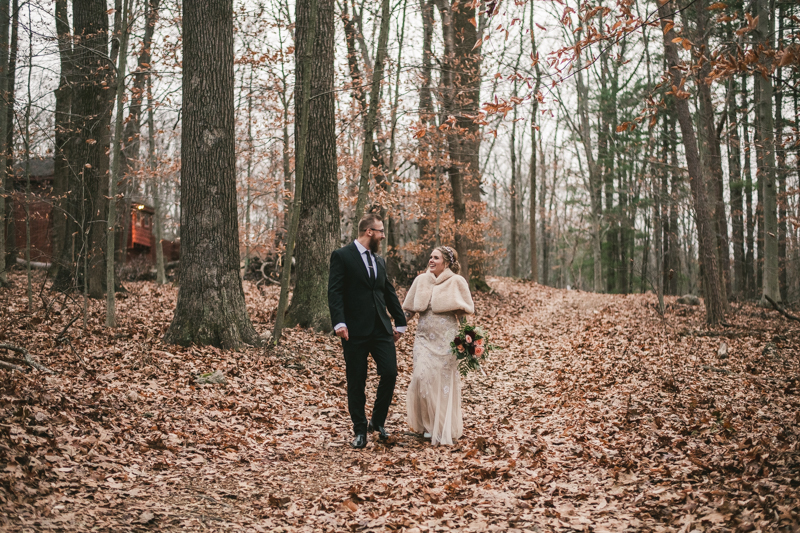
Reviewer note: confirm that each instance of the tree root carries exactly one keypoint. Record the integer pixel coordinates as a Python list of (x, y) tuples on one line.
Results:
[(30, 361)]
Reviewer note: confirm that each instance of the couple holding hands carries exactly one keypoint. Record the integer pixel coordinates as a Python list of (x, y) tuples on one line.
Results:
[(359, 295)]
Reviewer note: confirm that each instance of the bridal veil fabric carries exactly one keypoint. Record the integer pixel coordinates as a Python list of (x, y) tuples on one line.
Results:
[(433, 401)]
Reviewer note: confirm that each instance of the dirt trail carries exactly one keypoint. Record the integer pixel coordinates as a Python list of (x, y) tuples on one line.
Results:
[(596, 415)]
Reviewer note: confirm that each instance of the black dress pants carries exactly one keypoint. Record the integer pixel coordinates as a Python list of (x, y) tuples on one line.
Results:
[(356, 352)]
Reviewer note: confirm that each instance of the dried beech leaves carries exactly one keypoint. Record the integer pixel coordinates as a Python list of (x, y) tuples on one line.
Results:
[(596, 415)]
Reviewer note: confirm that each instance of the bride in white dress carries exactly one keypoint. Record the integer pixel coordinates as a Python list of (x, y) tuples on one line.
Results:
[(441, 297)]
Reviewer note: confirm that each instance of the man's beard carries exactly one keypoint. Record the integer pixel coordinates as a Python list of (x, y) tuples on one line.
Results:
[(374, 245)]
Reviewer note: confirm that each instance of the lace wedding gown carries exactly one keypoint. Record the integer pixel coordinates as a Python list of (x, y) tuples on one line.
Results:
[(434, 394)]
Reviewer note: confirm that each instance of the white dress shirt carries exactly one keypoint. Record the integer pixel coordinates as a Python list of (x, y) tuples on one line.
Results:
[(365, 257)]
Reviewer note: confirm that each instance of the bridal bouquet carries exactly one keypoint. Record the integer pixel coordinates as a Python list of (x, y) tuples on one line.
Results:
[(470, 347)]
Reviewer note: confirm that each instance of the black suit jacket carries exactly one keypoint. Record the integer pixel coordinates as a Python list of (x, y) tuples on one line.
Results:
[(354, 298)]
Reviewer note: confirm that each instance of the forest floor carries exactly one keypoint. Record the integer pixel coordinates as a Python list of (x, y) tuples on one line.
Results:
[(596, 415)]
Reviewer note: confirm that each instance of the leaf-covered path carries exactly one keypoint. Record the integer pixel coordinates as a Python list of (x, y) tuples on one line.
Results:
[(596, 416)]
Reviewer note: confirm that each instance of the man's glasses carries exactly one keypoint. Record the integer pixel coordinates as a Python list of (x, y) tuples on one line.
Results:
[(376, 229)]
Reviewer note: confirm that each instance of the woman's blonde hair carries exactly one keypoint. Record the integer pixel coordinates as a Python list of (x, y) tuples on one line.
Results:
[(450, 258)]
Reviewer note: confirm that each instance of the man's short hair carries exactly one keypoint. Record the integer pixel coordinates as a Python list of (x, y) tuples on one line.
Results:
[(367, 222)]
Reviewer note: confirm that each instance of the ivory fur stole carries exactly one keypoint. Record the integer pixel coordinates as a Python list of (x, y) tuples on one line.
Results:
[(447, 293)]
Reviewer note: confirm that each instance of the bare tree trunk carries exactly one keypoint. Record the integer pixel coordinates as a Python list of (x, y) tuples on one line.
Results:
[(455, 138), (5, 19), (543, 222), (675, 188), (62, 135), (369, 121), (10, 225), (533, 165), (670, 194), (513, 191), (737, 188), (211, 308), (248, 174), (594, 178), (714, 301), (749, 260), (161, 277), (27, 141), (512, 245), (286, 193), (713, 157), (350, 33), (111, 319), (659, 189), (467, 80), (133, 126), (393, 269), (317, 221), (91, 112), (461, 100), (782, 170), (766, 165), (426, 156)]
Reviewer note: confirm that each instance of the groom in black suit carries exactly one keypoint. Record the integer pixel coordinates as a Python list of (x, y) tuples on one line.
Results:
[(359, 294)]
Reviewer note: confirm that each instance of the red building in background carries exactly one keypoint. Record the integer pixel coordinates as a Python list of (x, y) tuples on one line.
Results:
[(141, 241)]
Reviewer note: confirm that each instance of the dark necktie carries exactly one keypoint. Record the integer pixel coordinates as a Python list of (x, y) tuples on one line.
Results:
[(370, 262)]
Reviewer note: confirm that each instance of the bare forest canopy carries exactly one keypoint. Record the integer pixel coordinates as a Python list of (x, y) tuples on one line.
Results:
[(613, 147)]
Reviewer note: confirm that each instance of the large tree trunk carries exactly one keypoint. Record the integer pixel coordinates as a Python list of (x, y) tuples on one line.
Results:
[(711, 148), (714, 301), (595, 186), (456, 138), (87, 201), (766, 164), (468, 80), (211, 308), (62, 135), (462, 101), (318, 233)]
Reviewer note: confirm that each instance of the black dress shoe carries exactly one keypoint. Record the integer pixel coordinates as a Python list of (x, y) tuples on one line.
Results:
[(382, 433), (359, 442)]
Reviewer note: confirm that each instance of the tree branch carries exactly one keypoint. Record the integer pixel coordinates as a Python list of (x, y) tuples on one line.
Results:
[(780, 309), (30, 361)]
